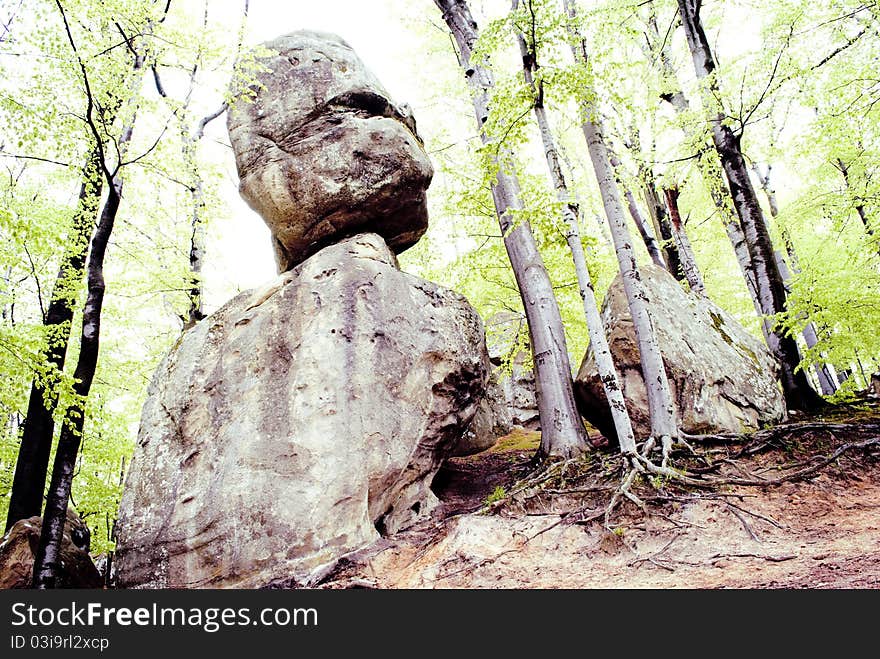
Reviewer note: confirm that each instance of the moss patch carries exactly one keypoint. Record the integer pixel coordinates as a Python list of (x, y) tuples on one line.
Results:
[(518, 439)]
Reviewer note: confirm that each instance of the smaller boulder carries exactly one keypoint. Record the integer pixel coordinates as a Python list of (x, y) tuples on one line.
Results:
[(19, 547), (723, 379), (491, 421), (509, 344), (522, 401)]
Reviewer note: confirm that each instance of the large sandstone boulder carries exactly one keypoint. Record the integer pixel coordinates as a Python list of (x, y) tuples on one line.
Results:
[(723, 379), (19, 547), (323, 152), (299, 422)]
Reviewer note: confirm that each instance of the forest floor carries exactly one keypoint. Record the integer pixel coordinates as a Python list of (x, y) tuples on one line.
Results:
[(796, 506)]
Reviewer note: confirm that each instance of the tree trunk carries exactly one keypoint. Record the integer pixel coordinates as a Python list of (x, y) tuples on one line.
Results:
[(570, 213), (660, 219), (827, 382), (26, 499), (722, 199), (664, 426), (47, 562), (48, 555), (195, 312), (708, 168), (771, 292), (660, 49), (562, 431), (859, 205), (811, 336), (641, 224), (686, 253)]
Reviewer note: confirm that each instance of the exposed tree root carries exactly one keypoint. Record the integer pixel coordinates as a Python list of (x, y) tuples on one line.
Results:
[(706, 469)]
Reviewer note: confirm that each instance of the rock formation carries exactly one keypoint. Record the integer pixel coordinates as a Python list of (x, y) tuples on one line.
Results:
[(722, 377), (19, 547), (303, 420), (510, 399), (491, 421), (323, 152)]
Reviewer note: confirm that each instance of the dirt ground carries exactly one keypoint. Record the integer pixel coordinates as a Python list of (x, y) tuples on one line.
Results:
[(821, 530)]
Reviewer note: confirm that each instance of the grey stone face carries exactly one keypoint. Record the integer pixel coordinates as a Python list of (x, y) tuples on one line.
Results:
[(299, 422), (723, 379), (324, 153)]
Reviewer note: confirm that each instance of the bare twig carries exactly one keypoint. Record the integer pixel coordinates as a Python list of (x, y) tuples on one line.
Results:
[(744, 522)]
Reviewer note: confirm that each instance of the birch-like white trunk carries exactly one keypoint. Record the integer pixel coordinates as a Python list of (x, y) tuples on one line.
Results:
[(635, 213), (664, 426), (598, 340), (771, 290), (827, 381), (562, 430), (709, 170), (660, 220)]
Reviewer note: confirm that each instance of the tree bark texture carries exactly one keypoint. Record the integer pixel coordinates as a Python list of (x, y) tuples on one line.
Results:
[(771, 291), (664, 425), (562, 430), (570, 214)]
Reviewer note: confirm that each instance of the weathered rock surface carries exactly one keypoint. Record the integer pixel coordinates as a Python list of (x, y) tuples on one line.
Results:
[(324, 153), (298, 422), (491, 421), (510, 399), (519, 394), (19, 547), (507, 337), (723, 379)]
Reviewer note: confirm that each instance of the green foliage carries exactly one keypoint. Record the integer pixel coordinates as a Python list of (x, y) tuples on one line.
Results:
[(498, 494), (43, 108)]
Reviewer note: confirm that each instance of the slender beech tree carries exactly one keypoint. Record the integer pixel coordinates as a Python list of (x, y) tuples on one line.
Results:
[(32, 464), (664, 426), (858, 203), (683, 244), (657, 212), (189, 143), (658, 50), (47, 563), (799, 394), (562, 431), (636, 214), (189, 140), (570, 213), (810, 333)]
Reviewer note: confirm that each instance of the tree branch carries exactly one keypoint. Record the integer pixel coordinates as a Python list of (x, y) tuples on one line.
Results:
[(90, 100)]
